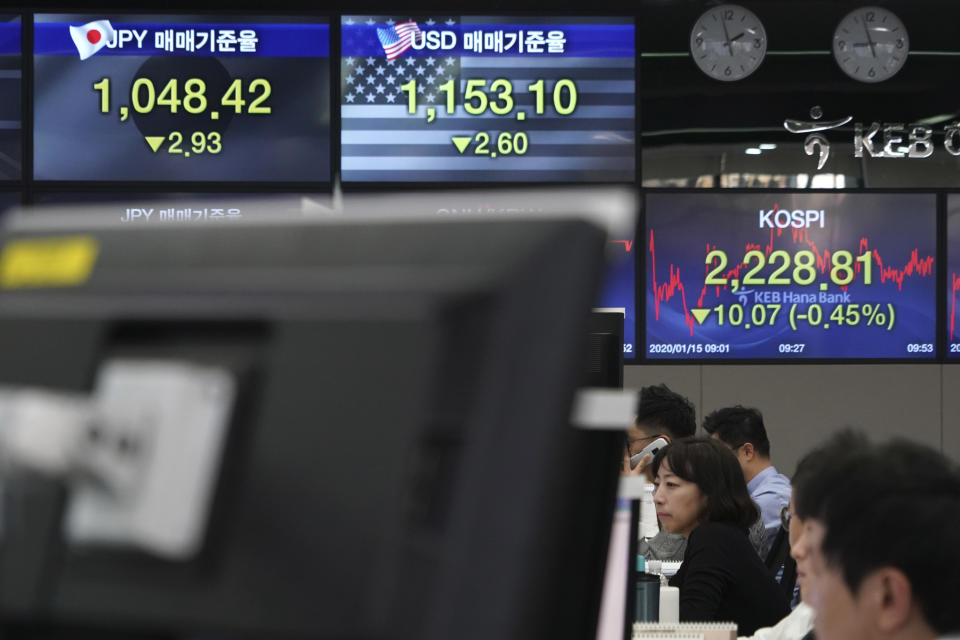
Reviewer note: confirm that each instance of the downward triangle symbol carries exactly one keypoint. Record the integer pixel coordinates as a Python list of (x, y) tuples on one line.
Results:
[(700, 314), (461, 142), (154, 141)]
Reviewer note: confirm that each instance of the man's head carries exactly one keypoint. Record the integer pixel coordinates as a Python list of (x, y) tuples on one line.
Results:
[(880, 525), (741, 429), (812, 484), (660, 413)]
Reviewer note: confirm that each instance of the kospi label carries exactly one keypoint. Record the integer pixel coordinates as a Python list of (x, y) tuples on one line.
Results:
[(777, 218)]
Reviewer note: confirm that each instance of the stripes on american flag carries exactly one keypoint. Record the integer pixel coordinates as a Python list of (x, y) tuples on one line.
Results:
[(381, 141), (398, 39)]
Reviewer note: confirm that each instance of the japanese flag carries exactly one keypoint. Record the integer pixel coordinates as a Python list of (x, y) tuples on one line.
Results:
[(92, 37)]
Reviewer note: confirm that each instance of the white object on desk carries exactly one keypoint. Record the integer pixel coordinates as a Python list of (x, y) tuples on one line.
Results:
[(669, 605), (685, 630)]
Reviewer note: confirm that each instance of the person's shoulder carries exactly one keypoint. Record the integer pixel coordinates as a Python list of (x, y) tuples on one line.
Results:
[(719, 542), (778, 477), (715, 531), (772, 483)]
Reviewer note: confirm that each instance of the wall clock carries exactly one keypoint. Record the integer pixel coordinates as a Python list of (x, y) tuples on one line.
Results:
[(870, 44), (728, 42)]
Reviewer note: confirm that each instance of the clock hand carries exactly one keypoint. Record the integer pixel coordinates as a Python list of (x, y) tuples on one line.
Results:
[(726, 34), (737, 37), (873, 47)]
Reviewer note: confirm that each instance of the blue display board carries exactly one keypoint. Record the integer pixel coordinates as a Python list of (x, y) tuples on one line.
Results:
[(790, 276), (11, 136), (487, 99), (953, 277), (181, 98)]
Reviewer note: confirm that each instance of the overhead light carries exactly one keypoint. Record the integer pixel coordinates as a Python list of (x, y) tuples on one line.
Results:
[(753, 151), (937, 119), (767, 146)]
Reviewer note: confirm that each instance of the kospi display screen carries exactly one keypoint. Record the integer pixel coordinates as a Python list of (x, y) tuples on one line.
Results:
[(11, 138), (953, 276), (181, 98), (790, 276), (487, 99)]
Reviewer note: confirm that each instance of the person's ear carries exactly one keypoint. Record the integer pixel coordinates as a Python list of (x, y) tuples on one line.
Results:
[(748, 451), (890, 597)]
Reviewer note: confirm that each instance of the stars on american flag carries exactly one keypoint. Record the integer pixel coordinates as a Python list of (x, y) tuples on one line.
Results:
[(368, 78)]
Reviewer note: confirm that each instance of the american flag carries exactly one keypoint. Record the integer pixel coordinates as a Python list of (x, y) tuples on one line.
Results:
[(375, 80), (398, 39), (382, 141)]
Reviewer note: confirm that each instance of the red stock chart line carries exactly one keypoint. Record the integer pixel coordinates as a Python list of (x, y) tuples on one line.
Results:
[(673, 285), (954, 288)]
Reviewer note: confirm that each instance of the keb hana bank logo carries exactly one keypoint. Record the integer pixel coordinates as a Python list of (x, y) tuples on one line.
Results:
[(92, 37)]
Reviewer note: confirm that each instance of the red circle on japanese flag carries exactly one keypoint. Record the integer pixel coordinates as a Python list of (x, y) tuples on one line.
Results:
[(93, 36)]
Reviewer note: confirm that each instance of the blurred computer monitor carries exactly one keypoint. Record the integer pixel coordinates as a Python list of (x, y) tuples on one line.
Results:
[(399, 461)]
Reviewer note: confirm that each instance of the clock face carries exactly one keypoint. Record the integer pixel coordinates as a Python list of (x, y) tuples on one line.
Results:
[(870, 44), (728, 42)]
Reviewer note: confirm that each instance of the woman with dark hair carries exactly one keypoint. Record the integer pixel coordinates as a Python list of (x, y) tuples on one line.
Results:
[(701, 494)]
